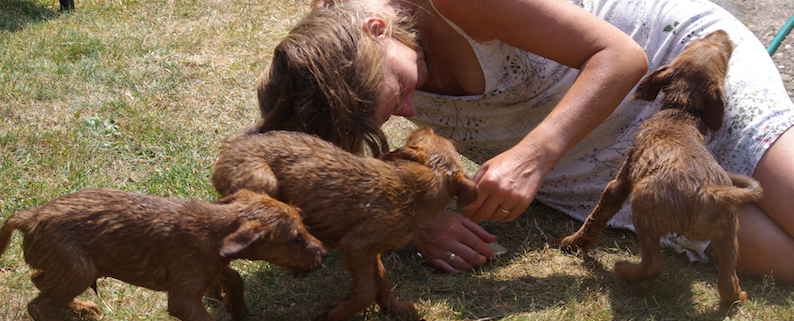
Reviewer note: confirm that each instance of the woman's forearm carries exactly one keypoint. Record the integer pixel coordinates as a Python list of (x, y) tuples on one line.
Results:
[(603, 82)]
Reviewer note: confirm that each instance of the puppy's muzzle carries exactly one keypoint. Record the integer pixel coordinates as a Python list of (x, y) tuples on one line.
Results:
[(319, 254)]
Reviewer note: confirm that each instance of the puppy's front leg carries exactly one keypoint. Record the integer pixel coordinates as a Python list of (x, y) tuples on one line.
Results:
[(362, 267), (233, 293), (185, 304), (651, 264), (386, 298)]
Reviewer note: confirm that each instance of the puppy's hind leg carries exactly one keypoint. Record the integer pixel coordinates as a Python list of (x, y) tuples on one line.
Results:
[(652, 261), (386, 298), (59, 285), (227, 177), (651, 264), (727, 253)]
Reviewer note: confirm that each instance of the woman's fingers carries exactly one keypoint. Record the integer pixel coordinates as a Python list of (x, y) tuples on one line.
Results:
[(505, 187), (454, 243), (519, 209), (472, 210), (462, 257), (495, 203), (478, 230), (443, 265), (488, 210), (454, 254)]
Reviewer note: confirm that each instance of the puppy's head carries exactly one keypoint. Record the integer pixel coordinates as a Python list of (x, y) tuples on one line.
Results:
[(695, 80), (434, 151), (272, 231)]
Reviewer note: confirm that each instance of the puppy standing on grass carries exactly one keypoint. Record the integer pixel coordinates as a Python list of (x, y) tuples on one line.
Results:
[(180, 247), (361, 205), (674, 182)]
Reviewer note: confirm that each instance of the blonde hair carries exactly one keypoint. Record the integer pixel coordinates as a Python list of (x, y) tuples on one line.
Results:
[(326, 74)]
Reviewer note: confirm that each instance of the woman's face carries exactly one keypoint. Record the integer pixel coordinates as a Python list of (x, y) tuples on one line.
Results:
[(404, 70)]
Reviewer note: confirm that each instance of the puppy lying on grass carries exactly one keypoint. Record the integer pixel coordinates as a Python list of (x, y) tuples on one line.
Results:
[(180, 247), (362, 205), (675, 184)]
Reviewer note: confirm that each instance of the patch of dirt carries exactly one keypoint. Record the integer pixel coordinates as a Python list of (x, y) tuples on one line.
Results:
[(765, 18)]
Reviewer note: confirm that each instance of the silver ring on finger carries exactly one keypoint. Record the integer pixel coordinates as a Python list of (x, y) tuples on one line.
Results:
[(450, 256), (504, 210)]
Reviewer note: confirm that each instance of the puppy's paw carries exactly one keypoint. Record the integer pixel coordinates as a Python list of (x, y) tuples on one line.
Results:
[(84, 310), (574, 242), (742, 297), (633, 271), (238, 311), (331, 312), (405, 310), (628, 271), (739, 298)]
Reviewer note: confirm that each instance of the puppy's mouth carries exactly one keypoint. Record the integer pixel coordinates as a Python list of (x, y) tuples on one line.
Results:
[(303, 270)]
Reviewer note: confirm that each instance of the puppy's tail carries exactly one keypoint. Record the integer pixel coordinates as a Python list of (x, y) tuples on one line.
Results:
[(15, 221), (744, 190)]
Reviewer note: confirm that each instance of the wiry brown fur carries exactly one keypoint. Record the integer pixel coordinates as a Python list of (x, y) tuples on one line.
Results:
[(361, 205), (180, 247), (675, 184)]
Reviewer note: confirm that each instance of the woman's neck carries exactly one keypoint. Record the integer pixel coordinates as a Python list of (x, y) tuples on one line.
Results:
[(452, 67)]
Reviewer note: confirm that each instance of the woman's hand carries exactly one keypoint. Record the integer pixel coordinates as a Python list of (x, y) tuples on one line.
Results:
[(507, 184), (454, 243)]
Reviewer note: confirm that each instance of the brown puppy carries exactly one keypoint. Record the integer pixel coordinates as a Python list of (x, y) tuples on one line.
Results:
[(675, 184), (180, 247), (361, 205)]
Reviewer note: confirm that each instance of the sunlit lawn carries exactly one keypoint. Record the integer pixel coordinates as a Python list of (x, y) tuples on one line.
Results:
[(137, 95)]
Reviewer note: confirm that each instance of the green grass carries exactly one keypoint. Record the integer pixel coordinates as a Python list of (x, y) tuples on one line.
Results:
[(137, 95)]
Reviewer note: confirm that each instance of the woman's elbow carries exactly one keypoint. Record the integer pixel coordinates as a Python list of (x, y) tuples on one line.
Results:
[(635, 60)]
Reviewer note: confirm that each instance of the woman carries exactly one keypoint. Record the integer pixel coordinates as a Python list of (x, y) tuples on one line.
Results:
[(533, 90)]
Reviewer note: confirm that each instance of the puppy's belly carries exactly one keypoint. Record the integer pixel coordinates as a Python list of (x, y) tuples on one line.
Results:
[(153, 278)]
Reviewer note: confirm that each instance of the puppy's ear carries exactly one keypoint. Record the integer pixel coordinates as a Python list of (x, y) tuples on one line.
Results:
[(466, 190), (649, 87), (713, 107), (248, 233), (411, 153)]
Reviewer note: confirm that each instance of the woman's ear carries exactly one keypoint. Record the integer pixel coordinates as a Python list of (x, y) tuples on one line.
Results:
[(375, 27)]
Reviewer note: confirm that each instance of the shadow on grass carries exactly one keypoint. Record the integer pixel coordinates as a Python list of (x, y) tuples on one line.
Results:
[(17, 14), (670, 295), (508, 286)]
